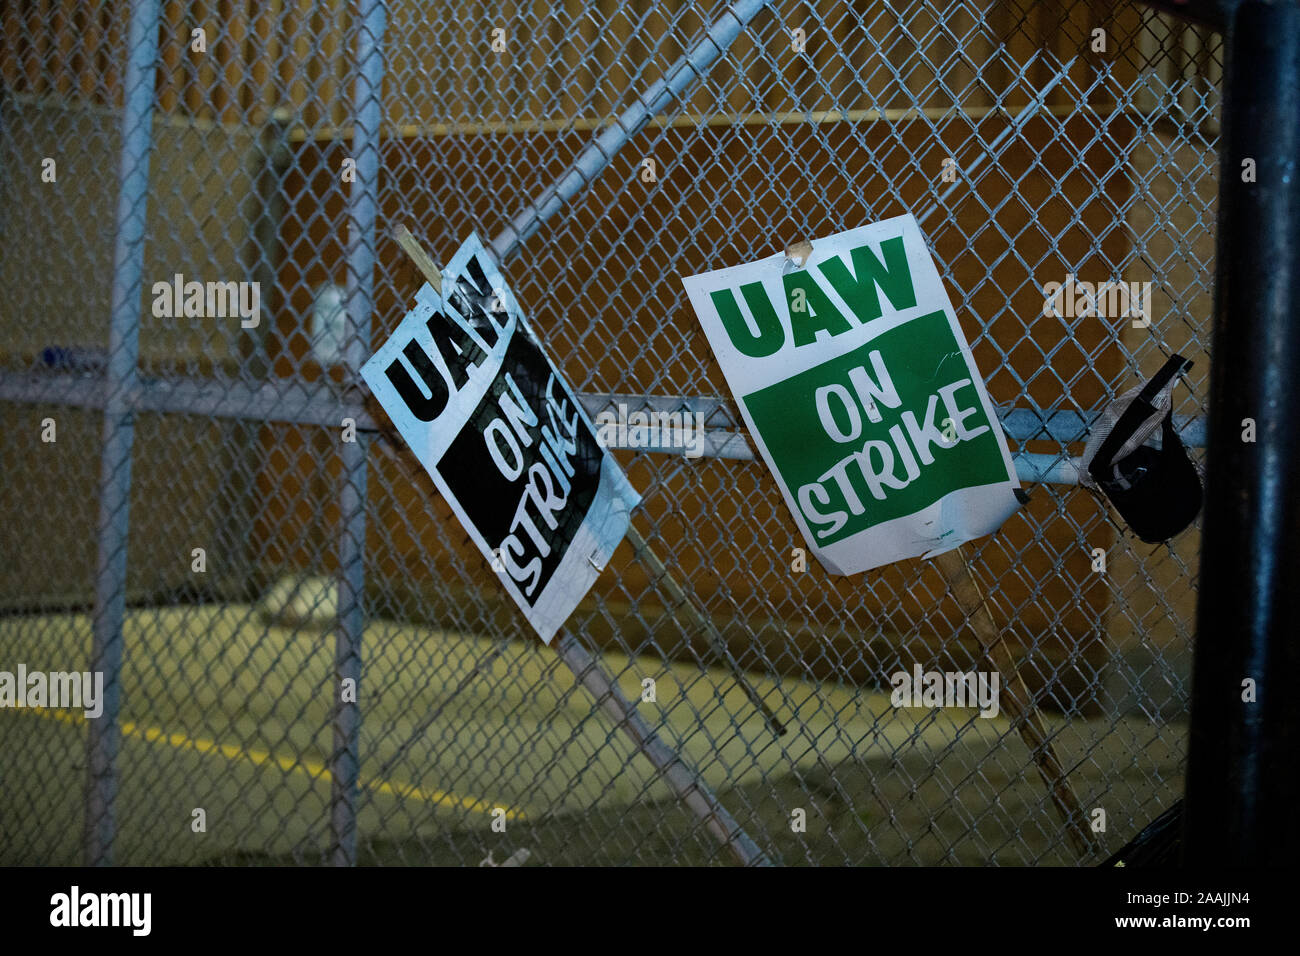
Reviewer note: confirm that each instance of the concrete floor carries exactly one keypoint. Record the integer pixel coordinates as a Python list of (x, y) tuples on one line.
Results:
[(227, 714)]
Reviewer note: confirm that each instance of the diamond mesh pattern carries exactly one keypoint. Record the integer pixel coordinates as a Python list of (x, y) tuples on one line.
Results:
[(1069, 160)]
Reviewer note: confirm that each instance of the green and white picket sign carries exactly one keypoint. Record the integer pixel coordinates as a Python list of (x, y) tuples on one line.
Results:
[(861, 393)]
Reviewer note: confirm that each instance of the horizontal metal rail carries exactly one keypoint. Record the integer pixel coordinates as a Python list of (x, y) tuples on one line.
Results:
[(391, 131), (288, 403)]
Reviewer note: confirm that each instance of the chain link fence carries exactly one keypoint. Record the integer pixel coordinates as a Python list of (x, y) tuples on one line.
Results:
[(199, 504)]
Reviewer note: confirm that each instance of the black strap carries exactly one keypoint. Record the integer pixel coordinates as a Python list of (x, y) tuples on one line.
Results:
[(1174, 365), (1138, 411)]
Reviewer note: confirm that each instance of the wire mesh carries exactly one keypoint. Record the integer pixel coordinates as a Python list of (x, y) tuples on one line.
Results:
[(474, 741)]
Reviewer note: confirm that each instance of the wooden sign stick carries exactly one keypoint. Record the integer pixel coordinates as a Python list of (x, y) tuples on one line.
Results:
[(659, 574), (685, 783), (1016, 699)]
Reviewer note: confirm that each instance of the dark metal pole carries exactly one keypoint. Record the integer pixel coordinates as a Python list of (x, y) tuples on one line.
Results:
[(1242, 794)]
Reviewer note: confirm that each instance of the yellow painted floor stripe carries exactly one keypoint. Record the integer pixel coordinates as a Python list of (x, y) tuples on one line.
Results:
[(314, 769)]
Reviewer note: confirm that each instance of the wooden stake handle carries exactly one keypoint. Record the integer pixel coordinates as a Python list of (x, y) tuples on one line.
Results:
[(1016, 699)]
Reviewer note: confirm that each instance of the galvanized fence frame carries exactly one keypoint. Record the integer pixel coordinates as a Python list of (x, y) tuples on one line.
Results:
[(123, 394)]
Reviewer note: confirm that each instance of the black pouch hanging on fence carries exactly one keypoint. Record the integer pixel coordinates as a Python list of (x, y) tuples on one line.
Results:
[(1157, 491)]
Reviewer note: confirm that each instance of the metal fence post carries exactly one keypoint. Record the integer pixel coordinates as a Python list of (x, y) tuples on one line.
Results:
[(363, 209), (104, 737), (685, 783), (694, 65), (1241, 779)]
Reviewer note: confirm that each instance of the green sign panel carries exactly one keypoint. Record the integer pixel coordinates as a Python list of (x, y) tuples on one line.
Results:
[(860, 391)]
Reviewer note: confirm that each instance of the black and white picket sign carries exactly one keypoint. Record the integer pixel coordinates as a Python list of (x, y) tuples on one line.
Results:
[(472, 392)]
